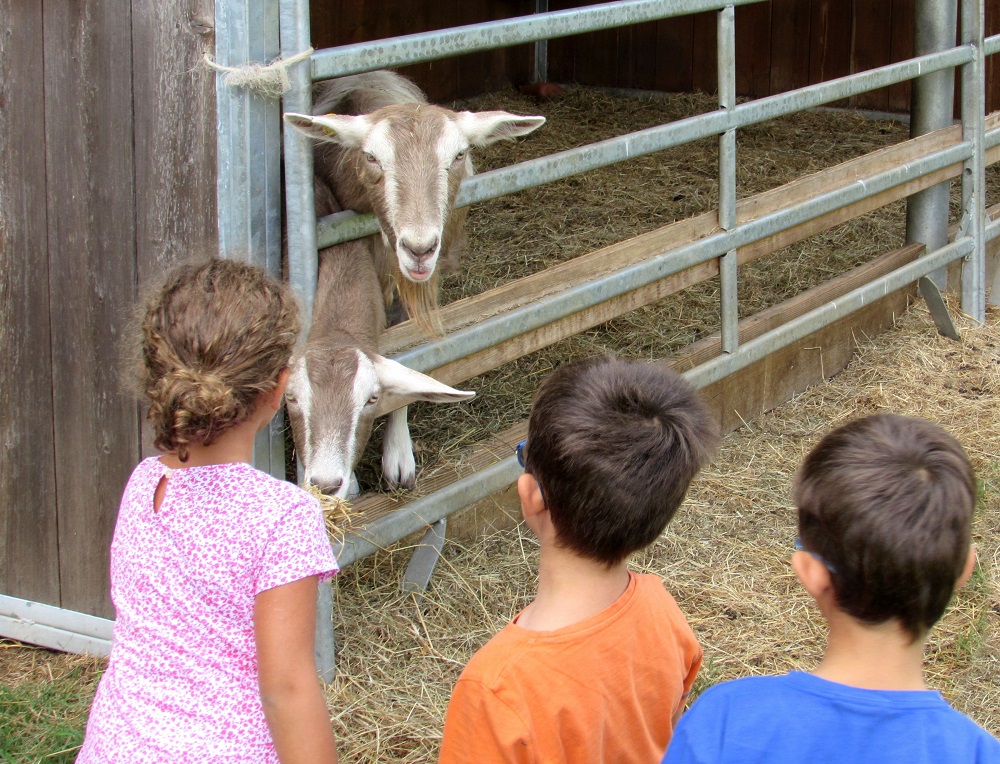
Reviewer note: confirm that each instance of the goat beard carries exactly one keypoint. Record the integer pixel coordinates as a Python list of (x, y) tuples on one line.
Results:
[(420, 301)]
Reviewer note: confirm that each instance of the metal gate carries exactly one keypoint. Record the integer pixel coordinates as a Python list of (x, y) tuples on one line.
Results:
[(250, 149)]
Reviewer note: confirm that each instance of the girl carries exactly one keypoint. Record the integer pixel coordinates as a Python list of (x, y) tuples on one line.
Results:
[(214, 565)]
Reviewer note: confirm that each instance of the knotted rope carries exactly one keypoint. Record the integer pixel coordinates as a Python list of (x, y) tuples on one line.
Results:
[(267, 80)]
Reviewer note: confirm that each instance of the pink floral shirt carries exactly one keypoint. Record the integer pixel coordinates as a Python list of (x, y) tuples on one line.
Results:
[(181, 684)]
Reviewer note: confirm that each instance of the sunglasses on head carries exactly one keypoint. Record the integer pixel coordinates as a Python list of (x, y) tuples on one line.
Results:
[(800, 548)]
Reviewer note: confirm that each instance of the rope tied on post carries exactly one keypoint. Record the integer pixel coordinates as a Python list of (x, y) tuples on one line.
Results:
[(267, 80)]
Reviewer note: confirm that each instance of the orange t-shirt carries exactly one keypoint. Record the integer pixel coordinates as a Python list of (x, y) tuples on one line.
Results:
[(602, 690)]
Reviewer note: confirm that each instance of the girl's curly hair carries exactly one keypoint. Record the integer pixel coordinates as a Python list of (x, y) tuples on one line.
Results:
[(214, 337)]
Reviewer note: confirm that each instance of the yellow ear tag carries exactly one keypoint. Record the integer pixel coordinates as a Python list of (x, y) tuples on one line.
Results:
[(328, 131)]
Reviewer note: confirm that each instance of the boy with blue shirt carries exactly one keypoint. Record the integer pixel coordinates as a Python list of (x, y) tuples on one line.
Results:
[(885, 508)]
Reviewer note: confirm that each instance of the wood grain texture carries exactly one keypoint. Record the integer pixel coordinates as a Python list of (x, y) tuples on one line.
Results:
[(29, 564), (91, 236), (790, 49), (753, 49), (175, 135), (705, 63), (900, 49), (870, 49), (830, 42), (674, 54)]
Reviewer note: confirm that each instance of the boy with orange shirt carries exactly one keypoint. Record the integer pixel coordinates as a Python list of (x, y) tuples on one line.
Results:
[(580, 674)]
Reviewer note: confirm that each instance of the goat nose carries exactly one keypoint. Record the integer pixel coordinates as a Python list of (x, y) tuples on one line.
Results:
[(420, 250), (328, 487)]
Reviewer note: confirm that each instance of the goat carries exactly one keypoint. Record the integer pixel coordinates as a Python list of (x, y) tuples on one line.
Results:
[(392, 153), (340, 384)]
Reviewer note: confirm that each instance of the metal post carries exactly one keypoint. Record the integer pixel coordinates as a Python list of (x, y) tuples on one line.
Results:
[(932, 108), (303, 261), (249, 168), (973, 222), (541, 71), (300, 209), (730, 317)]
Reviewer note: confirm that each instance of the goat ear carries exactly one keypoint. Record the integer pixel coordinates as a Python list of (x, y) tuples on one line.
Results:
[(402, 386), (485, 127), (334, 128)]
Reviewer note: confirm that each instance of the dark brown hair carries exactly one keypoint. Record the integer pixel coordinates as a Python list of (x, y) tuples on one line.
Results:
[(214, 337), (614, 445), (887, 501)]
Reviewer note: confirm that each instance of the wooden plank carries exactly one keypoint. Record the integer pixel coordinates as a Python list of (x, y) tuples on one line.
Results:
[(562, 50), (597, 59), (740, 397), (91, 238), (617, 256), (830, 40), (900, 49), (870, 49), (176, 144), (674, 54), (29, 564), (753, 50), (175, 154), (643, 63), (705, 60), (789, 45)]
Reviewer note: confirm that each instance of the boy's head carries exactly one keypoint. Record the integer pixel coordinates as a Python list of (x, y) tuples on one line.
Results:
[(886, 503), (614, 445)]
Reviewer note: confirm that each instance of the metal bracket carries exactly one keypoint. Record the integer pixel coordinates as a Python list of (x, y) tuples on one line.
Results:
[(939, 310), (425, 556)]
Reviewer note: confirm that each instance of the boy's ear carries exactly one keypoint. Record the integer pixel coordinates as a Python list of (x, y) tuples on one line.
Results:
[(812, 574), (970, 565), (530, 494)]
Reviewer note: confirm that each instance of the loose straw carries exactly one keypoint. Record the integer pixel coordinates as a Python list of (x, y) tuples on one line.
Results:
[(267, 80)]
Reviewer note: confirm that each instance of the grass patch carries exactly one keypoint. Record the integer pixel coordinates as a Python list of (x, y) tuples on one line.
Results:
[(44, 701)]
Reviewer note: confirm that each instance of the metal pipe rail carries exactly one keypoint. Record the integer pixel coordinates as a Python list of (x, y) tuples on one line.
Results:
[(496, 329), (306, 236), (489, 185), (445, 43), (425, 511)]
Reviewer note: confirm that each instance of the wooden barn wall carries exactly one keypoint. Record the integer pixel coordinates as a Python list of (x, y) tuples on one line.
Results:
[(781, 45), (107, 175), (341, 22)]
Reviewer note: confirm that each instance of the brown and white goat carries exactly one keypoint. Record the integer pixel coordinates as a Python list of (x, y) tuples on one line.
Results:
[(339, 382), (389, 152)]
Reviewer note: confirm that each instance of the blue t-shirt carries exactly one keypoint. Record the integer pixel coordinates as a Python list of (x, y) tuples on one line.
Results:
[(803, 718)]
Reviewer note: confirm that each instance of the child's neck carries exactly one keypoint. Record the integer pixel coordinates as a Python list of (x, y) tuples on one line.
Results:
[(879, 657), (571, 589), (234, 445)]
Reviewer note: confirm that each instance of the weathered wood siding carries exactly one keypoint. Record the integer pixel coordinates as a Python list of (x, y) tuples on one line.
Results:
[(780, 46), (341, 22), (107, 175)]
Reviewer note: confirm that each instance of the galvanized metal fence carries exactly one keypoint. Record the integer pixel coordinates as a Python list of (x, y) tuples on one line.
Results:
[(937, 57), (249, 219)]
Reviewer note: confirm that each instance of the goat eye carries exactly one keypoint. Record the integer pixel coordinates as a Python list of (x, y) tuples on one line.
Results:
[(460, 156), (373, 400), (370, 158)]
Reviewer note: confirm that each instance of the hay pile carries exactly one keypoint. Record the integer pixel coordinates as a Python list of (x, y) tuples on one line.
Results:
[(526, 232), (725, 558)]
